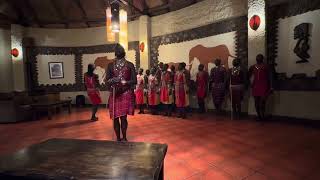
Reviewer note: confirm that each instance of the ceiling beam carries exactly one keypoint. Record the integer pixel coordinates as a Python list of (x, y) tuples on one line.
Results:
[(84, 14), (59, 12), (128, 3), (159, 8), (33, 12), (17, 9)]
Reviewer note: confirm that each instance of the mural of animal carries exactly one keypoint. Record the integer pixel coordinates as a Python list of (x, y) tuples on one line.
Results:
[(102, 62), (207, 55)]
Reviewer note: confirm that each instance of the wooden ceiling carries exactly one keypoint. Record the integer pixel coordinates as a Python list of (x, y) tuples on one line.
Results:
[(79, 13)]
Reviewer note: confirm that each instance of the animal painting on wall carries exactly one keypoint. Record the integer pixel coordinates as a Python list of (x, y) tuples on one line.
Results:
[(207, 55)]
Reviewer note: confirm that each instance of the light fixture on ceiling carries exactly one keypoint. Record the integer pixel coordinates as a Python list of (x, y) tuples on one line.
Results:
[(115, 9)]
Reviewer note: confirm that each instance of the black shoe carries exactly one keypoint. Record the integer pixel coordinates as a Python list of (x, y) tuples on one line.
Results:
[(94, 119), (124, 140)]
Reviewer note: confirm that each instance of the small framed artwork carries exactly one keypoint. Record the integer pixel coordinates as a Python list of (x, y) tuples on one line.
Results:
[(56, 70)]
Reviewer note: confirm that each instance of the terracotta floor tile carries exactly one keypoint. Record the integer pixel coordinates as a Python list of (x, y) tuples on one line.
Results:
[(278, 173), (257, 176), (198, 146), (250, 162), (215, 173), (235, 169)]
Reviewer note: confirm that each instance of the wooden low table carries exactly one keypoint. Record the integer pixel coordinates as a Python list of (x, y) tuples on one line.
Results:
[(86, 159), (51, 106)]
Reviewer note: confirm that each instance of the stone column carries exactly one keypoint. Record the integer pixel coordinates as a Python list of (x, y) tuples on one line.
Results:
[(256, 38), (5, 61), (17, 62), (144, 36)]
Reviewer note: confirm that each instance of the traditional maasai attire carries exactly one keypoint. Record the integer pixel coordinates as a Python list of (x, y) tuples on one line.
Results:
[(202, 86), (260, 85), (217, 78), (92, 89), (124, 96), (139, 91), (188, 82), (180, 83), (166, 96), (237, 82), (153, 96)]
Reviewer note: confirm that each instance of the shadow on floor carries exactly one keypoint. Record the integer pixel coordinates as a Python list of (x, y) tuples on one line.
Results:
[(70, 124)]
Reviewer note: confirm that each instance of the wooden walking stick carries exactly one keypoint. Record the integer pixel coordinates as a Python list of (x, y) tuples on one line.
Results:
[(113, 108), (231, 99)]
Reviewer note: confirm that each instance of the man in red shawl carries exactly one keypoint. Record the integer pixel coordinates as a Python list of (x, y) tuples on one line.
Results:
[(91, 82), (218, 78), (121, 76), (153, 91), (181, 89), (237, 82), (166, 86), (202, 86), (139, 91), (261, 85), (146, 78)]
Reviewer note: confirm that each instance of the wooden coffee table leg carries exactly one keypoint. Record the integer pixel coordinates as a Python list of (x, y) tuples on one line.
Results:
[(49, 113), (161, 175), (69, 108)]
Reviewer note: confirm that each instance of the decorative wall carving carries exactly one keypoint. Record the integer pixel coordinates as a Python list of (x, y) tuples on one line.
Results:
[(297, 82), (238, 24), (33, 51)]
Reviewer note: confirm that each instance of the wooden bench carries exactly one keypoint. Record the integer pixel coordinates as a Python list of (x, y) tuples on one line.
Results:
[(50, 106)]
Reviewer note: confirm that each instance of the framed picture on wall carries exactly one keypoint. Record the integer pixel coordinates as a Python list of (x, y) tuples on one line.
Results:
[(56, 70)]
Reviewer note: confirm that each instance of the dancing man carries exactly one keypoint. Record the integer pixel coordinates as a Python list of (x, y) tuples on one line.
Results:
[(218, 78), (166, 94), (146, 78), (202, 86), (180, 83), (139, 91), (91, 81), (153, 90), (261, 85), (121, 76), (237, 82)]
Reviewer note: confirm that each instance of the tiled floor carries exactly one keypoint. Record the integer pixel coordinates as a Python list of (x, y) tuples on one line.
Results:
[(202, 147)]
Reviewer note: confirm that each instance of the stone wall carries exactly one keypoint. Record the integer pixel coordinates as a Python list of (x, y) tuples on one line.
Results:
[(200, 14)]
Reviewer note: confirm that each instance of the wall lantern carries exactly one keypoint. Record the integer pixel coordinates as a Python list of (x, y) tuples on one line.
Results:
[(254, 22), (15, 52), (141, 46)]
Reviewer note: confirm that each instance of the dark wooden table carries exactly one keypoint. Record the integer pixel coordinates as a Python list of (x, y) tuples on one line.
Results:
[(86, 159), (51, 106)]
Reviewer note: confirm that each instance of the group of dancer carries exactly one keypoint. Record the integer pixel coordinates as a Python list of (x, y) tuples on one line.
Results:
[(165, 89)]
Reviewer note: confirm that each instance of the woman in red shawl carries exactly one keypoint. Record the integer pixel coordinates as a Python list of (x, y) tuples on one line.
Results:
[(166, 92), (237, 82), (91, 82), (121, 75), (180, 83), (153, 91), (218, 78), (202, 86), (139, 91), (261, 85)]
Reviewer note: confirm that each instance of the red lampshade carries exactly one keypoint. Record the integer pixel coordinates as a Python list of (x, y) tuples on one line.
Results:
[(254, 22), (15, 52), (141, 47)]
